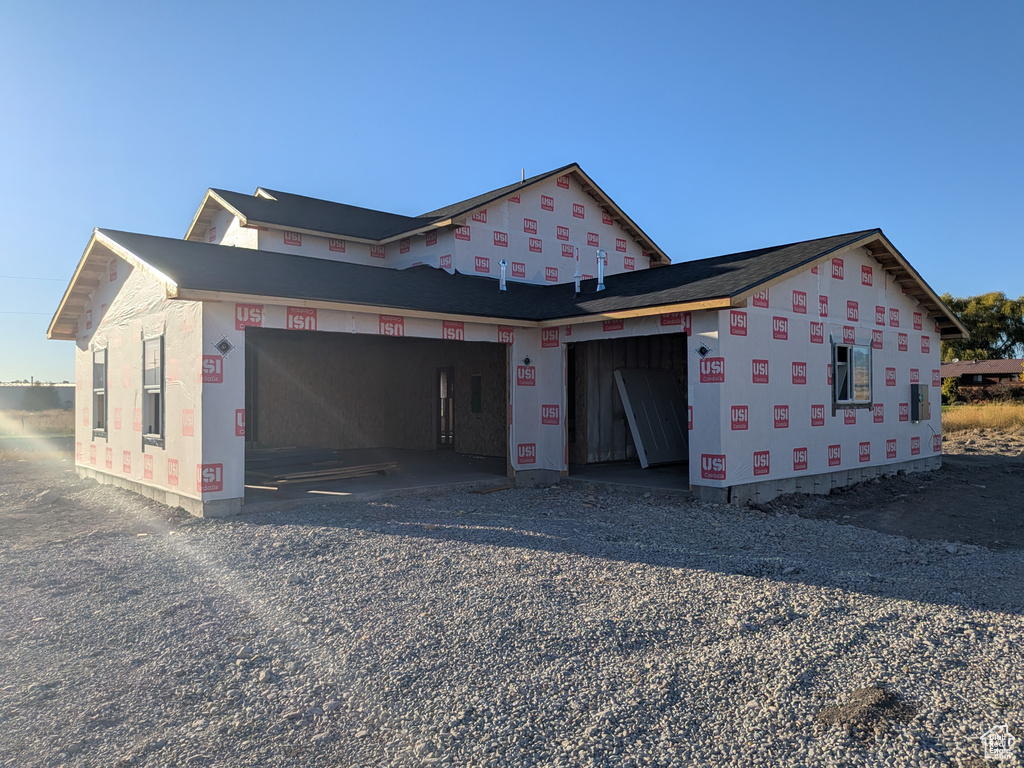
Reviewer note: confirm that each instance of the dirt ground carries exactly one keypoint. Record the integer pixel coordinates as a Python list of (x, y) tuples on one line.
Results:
[(976, 498)]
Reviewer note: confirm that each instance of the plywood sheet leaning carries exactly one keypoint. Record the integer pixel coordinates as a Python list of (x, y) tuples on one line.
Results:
[(656, 414)]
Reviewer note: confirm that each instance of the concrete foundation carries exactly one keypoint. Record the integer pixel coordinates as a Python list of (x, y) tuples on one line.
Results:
[(760, 493), (529, 478), (196, 507)]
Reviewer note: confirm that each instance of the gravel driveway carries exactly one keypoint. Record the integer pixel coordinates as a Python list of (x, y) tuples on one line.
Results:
[(541, 627)]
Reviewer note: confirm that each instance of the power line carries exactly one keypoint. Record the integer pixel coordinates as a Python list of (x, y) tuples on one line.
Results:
[(21, 277)]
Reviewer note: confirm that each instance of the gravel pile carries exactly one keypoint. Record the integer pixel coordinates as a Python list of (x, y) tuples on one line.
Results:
[(535, 627)]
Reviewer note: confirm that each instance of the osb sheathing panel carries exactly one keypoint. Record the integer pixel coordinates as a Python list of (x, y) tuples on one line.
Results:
[(352, 391), (602, 430)]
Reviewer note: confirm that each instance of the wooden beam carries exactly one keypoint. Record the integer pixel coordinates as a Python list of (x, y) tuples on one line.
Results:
[(625, 314)]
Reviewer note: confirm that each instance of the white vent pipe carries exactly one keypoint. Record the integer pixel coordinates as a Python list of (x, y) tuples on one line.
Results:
[(602, 257), (503, 264)]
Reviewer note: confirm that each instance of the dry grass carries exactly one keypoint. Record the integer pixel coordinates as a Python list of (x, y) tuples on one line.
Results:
[(1004, 416), (55, 422)]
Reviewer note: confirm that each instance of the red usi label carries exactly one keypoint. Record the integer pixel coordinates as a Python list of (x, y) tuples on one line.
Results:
[(864, 451), (918, 321), (137, 419), (739, 417), (762, 462), (247, 315), (109, 457), (78, 452), (894, 317), (627, 262), (301, 319), (849, 334), (213, 369), (904, 411), (480, 216), (823, 306), (403, 245), (687, 326), (817, 415), (760, 371), (937, 329), (799, 459), (878, 413), (781, 413), (620, 245), (689, 417), (890, 377), (147, 466), (852, 311), (526, 453), (780, 328), (902, 342), (113, 270), (519, 268), (88, 319), (501, 239), (378, 251), (671, 318), (563, 182), (579, 211), (915, 376), (172, 472), (890, 449), (876, 339), (936, 378), (926, 344), (828, 374), (915, 446), (593, 240), (530, 226), (937, 443), (562, 233), (551, 274), (526, 375), (391, 325), (481, 264), (866, 275), (92, 455), (737, 322), (429, 239), (817, 333), (549, 414), (799, 373), (549, 337), (800, 302), (606, 218), (506, 334), (461, 233), (338, 246), (293, 238), (117, 418), (240, 422), (126, 462), (445, 262), (849, 416), (453, 330), (568, 251), (835, 455), (210, 478), (712, 370), (879, 315), (712, 466), (514, 199), (760, 299), (188, 422), (837, 269), (613, 325), (547, 203), (536, 246)]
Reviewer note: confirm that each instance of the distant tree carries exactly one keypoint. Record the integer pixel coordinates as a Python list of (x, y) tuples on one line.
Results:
[(996, 324)]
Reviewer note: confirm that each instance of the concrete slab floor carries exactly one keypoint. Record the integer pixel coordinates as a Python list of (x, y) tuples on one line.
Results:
[(417, 472), (629, 474)]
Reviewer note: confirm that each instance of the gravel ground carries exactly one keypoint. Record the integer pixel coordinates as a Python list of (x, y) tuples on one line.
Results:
[(544, 627)]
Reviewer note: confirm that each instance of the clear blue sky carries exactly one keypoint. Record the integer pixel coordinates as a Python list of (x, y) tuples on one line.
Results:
[(718, 127)]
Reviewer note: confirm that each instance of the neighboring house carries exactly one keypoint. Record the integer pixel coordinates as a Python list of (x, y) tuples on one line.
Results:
[(282, 320), (982, 374)]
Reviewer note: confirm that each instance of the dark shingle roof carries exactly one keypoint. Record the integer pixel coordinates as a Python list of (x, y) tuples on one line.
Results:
[(990, 367), (465, 206), (290, 211), (206, 267)]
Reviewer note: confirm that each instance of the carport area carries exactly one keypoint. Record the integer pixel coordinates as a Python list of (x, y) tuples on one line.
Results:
[(348, 414)]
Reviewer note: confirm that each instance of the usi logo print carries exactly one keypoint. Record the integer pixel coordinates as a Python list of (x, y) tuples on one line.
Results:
[(536, 246), (878, 413), (866, 275), (918, 321), (818, 415), (902, 342), (712, 370), (172, 472), (481, 264), (248, 315), (849, 416), (403, 245), (937, 443), (627, 262), (823, 306), (894, 317), (606, 218), (501, 239), (461, 233), (551, 274), (837, 269), (429, 239), (506, 334), (936, 378), (817, 333), (293, 238), (480, 216), (613, 325), (904, 411), (240, 422), (712, 466), (92, 454), (800, 302), (210, 478), (453, 330), (526, 375), (781, 416), (549, 414), (562, 233), (915, 446), (890, 449), (445, 262), (799, 373), (620, 245), (568, 251), (852, 311), (519, 267), (762, 462), (301, 319), (671, 318), (926, 344), (760, 299), (780, 328), (547, 203), (864, 451), (737, 322), (593, 240), (213, 369), (849, 334), (530, 226), (147, 466), (526, 453), (579, 211), (759, 369), (109, 455), (835, 455), (563, 182), (338, 246), (188, 422), (740, 417), (915, 376), (126, 462), (799, 459), (890, 377), (390, 325), (549, 337)]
